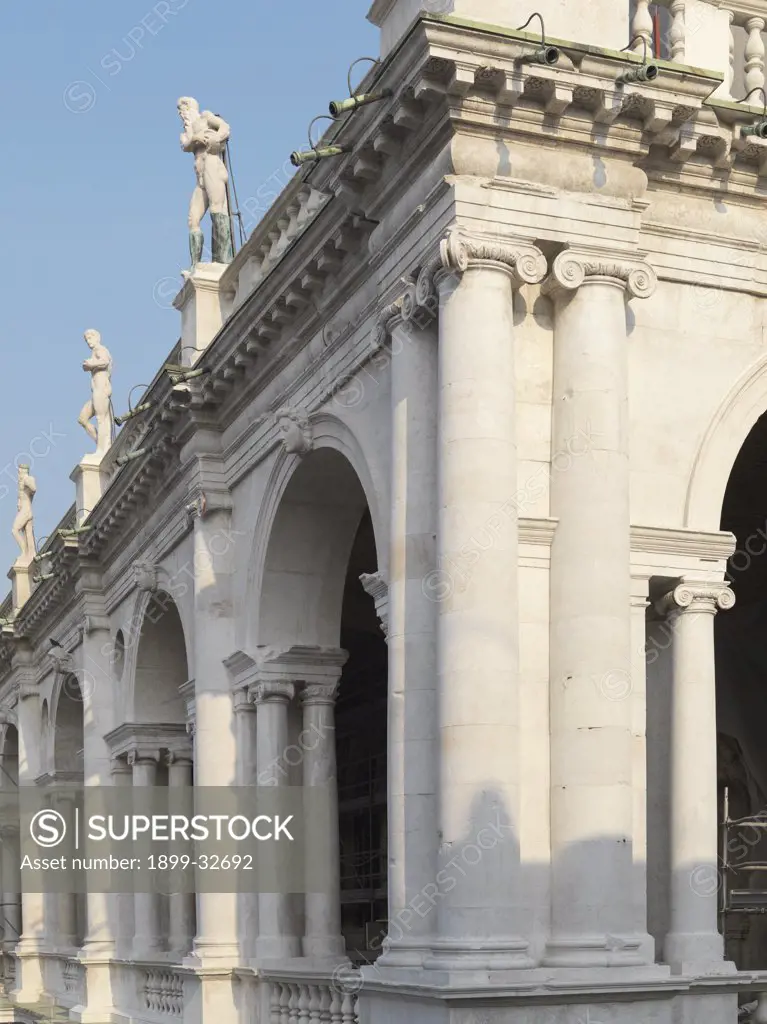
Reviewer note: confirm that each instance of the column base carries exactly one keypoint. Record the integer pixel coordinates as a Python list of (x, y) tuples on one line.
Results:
[(404, 953), (215, 954), (478, 955)]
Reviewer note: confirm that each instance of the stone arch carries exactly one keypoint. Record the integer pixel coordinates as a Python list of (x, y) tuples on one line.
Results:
[(721, 444), (156, 661), (348, 486)]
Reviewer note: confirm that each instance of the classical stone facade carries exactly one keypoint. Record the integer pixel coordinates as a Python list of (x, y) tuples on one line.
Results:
[(466, 516)]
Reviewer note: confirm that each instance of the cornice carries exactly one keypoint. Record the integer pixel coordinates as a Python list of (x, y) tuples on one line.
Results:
[(146, 738)]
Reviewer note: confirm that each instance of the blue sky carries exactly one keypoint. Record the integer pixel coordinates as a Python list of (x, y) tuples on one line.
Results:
[(97, 187)]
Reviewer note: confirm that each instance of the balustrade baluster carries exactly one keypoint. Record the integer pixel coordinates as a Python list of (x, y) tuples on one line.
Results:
[(754, 59), (642, 28), (677, 33)]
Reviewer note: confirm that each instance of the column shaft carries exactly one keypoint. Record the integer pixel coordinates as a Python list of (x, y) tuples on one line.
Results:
[(29, 978), (95, 680), (245, 725), (146, 905), (412, 638), (182, 904), (276, 936), (214, 738), (593, 916), (480, 916), (322, 931), (693, 941)]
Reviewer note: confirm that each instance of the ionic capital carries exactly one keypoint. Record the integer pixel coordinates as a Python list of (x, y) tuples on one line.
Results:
[(385, 321), (273, 692), (698, 598), (374, 584), (460, 250), (572, 268), (319, 694), (140, 755)]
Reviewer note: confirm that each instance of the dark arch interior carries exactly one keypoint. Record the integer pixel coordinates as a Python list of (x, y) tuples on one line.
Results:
[(361, 712), (161, 665), (741, 686)]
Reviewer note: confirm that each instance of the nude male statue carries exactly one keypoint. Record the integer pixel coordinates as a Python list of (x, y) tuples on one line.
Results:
[(99, 365), (205, 135), (23, 524)]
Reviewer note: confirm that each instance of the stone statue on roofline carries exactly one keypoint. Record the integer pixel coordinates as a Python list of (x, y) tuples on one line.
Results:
[(205, 135), (23, 524), (99, 406)]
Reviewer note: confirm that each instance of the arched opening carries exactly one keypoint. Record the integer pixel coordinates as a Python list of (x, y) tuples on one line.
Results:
[(68, 743), (741, 682), (320, 542), (161, 664), (361, 756)]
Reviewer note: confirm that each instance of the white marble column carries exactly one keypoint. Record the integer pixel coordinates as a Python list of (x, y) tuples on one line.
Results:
[(122, 776), (215, 754), (9, 867), (277, 939), (322, 928), (245, 733), (412, 621), (146, 905), (94, 676), (638, 698), (182, 904), (29, 977), (480, 911), (693, 943), (593, 921)]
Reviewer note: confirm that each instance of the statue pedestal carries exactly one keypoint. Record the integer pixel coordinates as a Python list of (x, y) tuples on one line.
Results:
[(90, 483), (202, 310), (20, 574)]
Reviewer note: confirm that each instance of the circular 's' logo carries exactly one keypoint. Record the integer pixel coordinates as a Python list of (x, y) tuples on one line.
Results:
[(48, 828)]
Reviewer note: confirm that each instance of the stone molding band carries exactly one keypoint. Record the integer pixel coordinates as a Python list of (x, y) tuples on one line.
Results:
[(697, 597), (572, 268)]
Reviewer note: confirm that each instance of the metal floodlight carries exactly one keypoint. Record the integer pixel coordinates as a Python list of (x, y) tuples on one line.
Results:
[(40, 556), (298, 159), (72, 533), (338, 107), (648, 72), (316, 152), (119, 420), (123, 460), (43, 576), (545, 53), (758, 129), (182, 374), (548, 55)]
